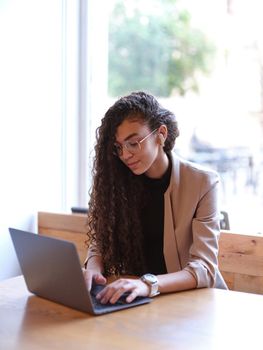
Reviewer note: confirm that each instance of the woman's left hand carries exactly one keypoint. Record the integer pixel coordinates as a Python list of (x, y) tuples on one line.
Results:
[(112, 292)]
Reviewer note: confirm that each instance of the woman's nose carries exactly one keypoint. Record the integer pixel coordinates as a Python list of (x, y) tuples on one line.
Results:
[(126, 154)]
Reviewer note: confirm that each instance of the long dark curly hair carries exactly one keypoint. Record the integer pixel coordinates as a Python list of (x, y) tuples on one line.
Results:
[(117, 196)]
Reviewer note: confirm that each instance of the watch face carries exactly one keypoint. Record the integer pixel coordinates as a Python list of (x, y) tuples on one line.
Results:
[(151, 278), (152, 281)]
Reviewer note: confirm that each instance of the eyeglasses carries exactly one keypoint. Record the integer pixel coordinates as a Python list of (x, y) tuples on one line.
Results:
[(131, 146)]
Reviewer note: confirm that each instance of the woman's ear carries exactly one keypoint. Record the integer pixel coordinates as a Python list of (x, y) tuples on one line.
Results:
[(162, 140), (162, 134)]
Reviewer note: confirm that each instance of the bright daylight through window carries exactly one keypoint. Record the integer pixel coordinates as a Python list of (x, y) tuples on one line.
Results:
[(204, 61)]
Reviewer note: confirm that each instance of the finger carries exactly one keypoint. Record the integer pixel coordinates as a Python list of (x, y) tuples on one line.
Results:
[(114, 291), (100, 279), (130, 288), (132, 296), (104, 295), (116, 296), (107, 293)]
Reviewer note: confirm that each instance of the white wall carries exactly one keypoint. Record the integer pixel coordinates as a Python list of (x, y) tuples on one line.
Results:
[(33, 119)]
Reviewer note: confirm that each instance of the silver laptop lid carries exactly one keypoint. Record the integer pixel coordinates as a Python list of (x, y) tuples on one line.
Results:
[(52, 270)]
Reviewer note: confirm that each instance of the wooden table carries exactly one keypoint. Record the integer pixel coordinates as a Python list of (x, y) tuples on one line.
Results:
[(198, 319)]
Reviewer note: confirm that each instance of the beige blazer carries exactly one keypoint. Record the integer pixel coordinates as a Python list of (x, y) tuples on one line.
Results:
[(191, 223)]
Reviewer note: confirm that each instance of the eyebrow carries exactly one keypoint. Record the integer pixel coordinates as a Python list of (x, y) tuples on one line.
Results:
[(129, 137)]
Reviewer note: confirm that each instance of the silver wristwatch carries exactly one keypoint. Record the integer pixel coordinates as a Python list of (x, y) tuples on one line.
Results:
[(152, 282)]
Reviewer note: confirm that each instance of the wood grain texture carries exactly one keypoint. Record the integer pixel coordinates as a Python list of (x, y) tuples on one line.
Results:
[(201, 319), (71, 227), (241, 261)]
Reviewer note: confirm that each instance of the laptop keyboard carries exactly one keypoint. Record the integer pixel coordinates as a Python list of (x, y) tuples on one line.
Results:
[(96, 288)]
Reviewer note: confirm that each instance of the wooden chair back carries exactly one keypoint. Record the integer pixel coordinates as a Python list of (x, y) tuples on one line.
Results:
[(240, 255)]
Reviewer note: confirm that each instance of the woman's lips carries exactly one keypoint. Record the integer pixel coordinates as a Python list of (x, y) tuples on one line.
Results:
[(133, 164)]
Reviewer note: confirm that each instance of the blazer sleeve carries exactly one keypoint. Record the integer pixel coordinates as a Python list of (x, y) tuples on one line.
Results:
[(203, 261), (92, 250)]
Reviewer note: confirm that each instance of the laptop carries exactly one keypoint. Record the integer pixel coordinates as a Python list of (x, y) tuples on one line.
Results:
[(52, 270)]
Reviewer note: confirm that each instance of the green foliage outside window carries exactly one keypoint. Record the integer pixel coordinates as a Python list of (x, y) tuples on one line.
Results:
[(155, 48)]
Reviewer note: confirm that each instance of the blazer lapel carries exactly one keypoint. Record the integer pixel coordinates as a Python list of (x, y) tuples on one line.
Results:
[(171, 254)]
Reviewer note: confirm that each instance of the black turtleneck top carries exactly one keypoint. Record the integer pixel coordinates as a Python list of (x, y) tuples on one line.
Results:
[(153, 222)]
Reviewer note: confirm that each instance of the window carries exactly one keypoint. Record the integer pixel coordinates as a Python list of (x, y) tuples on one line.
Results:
[(38, 109), (204, 61)]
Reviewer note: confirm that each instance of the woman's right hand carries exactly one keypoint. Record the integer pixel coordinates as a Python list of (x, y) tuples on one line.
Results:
[(92, 276), (93, 272)]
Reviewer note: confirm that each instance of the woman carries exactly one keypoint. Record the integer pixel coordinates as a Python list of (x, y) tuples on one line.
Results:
[(151, 214)]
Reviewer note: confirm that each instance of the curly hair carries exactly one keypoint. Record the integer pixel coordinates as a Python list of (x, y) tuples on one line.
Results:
[(117, 195)]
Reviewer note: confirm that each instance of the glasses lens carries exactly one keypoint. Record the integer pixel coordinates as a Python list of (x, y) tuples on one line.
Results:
[(133, 147)]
